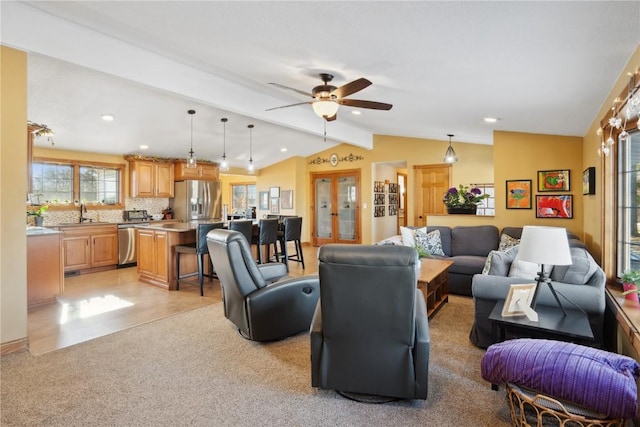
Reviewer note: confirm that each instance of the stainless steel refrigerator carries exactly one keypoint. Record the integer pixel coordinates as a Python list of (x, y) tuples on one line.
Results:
[(197, 201)]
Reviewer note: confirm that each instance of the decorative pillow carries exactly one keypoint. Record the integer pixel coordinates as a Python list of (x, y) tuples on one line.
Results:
[(408, 235), (524, 269), (579, 272), (597, 379), (487, 263), (393, 240), (507, 242), (429, 242), (501, 261)]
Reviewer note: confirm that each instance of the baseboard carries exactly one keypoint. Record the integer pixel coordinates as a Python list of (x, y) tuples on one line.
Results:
[(14, 346)]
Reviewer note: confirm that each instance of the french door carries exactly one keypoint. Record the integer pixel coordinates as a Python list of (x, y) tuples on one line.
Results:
[(336, 207)]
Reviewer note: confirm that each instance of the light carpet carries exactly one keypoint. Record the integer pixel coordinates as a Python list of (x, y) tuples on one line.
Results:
[(194, 369)]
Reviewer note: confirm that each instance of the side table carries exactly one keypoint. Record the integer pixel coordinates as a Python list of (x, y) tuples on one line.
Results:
[(551, 324), (433, 281)]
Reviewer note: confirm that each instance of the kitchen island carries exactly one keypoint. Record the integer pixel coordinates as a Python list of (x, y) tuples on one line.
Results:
[(157, 256), (45, 278)]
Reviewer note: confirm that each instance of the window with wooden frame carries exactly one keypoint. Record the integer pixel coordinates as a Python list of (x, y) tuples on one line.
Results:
[(487, 207), (243, 196), (61, 182)]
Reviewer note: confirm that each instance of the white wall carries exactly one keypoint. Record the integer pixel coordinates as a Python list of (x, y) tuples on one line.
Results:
[(385, 226)]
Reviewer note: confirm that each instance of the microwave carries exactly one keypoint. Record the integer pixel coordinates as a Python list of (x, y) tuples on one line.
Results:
[(135, 216)]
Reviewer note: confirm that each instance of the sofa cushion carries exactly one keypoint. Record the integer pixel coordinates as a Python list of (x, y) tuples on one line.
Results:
[(409, 235), (501, 261), (524, 269), (577, 273), (393, 240), (467, 264), (429, 242), (476, 240)]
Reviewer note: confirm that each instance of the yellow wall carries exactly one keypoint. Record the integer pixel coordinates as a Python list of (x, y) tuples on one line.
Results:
[(13, 187)]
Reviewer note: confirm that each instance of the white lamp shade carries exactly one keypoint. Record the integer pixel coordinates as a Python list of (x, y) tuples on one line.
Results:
[(544, 245), (325, 108)]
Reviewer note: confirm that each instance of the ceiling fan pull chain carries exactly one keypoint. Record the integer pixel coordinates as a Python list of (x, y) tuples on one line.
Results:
[(325, 130)]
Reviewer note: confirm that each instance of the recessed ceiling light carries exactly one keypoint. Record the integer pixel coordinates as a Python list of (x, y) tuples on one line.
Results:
[(283, 150), (356, 112), (491, 119), (144, 147), (107, 117)]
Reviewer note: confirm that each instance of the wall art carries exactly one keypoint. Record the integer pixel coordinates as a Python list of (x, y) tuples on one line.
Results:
[(554, 180), (286, 199), (554, 206), (378, 199), (274, 192), (518, 194), (378, 186), (275, 205), (378, 211), (589, 181), (393, 210)]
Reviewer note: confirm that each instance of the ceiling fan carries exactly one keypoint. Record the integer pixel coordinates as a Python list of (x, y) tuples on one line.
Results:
[(327, 98)]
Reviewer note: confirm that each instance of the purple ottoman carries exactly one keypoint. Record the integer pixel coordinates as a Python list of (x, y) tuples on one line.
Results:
[(602, 381)]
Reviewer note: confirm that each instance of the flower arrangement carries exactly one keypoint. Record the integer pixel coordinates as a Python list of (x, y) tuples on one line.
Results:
[(463, 197), (38, 212)]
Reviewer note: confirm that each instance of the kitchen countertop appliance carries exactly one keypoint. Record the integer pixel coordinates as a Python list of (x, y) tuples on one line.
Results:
[(127, 244)]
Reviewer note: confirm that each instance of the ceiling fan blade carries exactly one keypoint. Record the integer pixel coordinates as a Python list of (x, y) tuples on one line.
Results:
[(287, 106), (349, 88), (332, 118), (364, 104), (301, 92)]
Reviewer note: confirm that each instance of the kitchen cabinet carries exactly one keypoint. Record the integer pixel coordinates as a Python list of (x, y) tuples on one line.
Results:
[(150, 178), (89, 247), (202, 172), (44, 268), (157, 255)]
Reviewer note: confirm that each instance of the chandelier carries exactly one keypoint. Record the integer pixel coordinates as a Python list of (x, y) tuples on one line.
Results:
[(623, 111)]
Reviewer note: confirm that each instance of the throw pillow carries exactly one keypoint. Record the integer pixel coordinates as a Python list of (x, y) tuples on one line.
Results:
[(524, 269), (507, 242), (393, 240), (430, 242), (579, 272), (501, 261), (408, 235)]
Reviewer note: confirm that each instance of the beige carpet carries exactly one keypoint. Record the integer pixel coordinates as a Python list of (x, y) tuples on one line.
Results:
[(194, 369)]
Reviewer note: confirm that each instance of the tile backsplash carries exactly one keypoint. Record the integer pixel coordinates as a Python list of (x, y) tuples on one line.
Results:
[(152, 206)]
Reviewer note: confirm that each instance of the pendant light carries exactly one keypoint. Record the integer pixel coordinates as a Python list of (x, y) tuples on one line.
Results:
[(191, 161), (224, 165), (450, 156), (250, 167)]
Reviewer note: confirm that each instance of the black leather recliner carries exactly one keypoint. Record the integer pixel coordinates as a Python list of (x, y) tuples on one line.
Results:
[(370, 333), (260, 300)]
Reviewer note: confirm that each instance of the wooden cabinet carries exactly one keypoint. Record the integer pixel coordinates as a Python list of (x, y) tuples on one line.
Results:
[(151, 179), (88, 247), (152, 254), (44, 269), (202, 172)]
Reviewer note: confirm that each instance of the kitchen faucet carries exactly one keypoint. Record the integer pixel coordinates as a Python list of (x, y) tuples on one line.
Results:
[(83, 210)]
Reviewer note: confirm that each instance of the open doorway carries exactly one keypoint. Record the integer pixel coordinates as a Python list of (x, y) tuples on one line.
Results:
[(388, 197)]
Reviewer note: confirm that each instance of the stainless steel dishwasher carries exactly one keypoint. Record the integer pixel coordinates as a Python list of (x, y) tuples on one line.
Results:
[(127, 245)]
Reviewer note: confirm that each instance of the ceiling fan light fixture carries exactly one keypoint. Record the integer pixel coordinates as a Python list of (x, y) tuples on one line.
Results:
[(450, 156), (224, 165), (191, 161), (325, 108)]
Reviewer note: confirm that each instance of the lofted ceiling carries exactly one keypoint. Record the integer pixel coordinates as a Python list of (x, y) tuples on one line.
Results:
[(541, 67)]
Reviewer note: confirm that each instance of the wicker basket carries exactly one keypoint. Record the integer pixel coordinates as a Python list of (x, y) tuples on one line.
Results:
[(532, 409)]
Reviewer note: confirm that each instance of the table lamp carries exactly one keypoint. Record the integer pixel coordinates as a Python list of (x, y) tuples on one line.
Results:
[(545, 246)]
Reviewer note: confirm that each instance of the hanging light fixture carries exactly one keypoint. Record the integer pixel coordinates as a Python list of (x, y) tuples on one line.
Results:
[(191, 161), (622, 111), (250, 167), (450, 156), (325, 108), (224, 165)]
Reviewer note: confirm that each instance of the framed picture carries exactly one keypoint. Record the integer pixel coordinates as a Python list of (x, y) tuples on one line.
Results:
[(378, 211), (263, 200), (518, 194), (275, 205), (378, 199), (554, 180), (393, 187), (274, 192), (378, 186), (554, 206), (393, 210), (286, 199), (589, 181), (519, 296), (393, 199)]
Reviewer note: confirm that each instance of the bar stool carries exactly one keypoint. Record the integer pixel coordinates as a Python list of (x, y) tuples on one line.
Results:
[(243, 226), (200, 249), (267, 236), (292, 232)]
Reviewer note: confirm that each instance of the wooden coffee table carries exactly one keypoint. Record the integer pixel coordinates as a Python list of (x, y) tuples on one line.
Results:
[(433, 281)]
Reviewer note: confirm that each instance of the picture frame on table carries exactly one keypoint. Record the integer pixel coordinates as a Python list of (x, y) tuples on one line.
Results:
[(286, 199), (518, 194), (274, 192), (554, 180), (263, 200), (589, 181), (554, 206), (519, 296)]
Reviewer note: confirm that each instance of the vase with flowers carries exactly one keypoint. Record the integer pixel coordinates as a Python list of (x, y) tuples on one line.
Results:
[(463, 200), (37, 215)]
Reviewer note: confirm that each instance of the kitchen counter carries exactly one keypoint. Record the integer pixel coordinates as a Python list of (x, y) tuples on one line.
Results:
[(176, 227), (41, 231)]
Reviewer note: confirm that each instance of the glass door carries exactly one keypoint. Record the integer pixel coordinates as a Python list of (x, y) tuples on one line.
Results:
[(336, 207)]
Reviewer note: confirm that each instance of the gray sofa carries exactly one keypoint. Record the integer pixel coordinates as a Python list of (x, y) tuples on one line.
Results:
[(580, 285)]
